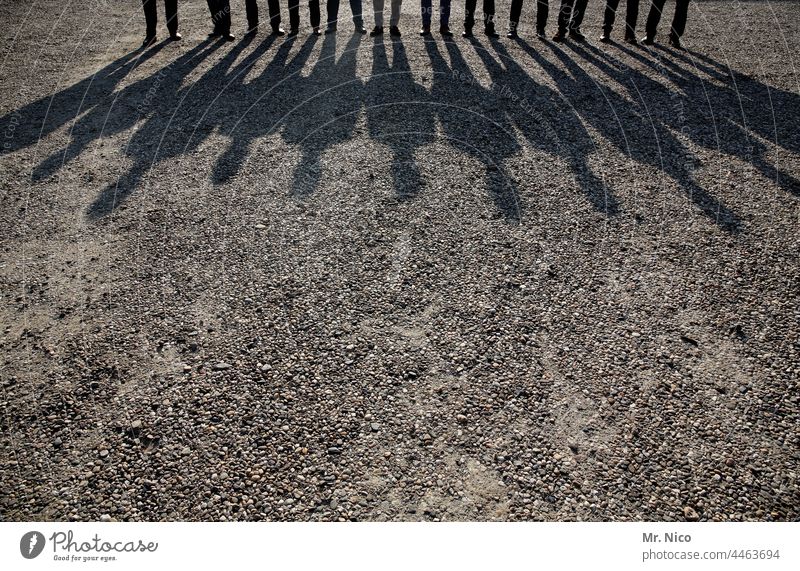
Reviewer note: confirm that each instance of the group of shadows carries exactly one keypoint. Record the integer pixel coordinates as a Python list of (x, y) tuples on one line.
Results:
[(699, 98)]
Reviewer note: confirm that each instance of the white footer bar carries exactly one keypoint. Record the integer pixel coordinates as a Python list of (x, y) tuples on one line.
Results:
[(380, 546)]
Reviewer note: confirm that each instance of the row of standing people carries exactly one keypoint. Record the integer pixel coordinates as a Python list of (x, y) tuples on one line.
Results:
[(570, 18)]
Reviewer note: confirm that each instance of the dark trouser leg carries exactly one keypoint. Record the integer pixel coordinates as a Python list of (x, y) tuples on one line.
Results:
[(171, 9), (426, 7), (213, 8), (516, 12), (355, 8), (333, 12), (542, 10), (225, 19), (679, 21), (653, 18), (564, 15), (251, 8), (274, 7), (469, 14), (294, 15), (631, 15), (444, 13), (220, 15), (577, 14), (150, 17), (313, 8), (397, 6), (488, 13), (610, 15)]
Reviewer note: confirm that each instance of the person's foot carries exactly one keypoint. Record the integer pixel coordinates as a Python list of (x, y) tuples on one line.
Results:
[(251, 29), (559, 37), (491, 32), (176, 37), (605, 37), (330, 30), (576, 35), (648, 40), (292, 33), (149, 41), (631, 39), (675, 42), (425, 31), (229, 37), (376, 31), (316, 31), (394, 31), (214, 34), (278, 32), (540, 34), (467, 33), (445, 31), (360, 29)]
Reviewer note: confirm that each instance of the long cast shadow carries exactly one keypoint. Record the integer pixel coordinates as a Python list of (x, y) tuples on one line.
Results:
[(403, 124), (138, 101), (733, 113), (27, 125), (550, 127), (472, 122), (321, 110), (324, 111), (172, 127), (269, 98), (634, 133)]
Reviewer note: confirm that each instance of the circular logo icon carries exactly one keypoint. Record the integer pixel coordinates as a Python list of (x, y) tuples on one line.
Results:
[(31, 544)]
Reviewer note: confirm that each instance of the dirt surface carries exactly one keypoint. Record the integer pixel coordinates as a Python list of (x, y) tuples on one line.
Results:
[(343, 278)]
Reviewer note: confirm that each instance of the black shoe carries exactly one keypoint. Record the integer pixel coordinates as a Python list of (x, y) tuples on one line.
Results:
[(467, 33), (176, 37), (606, 37), (278, 32), (360, 29), (149, 41), (631, 39), (425, 31), (214, 34), (577, 36), (394, 31), (675, 42), (229, 37), (316, 32), (559, 37), (541, 35), (251, 29), (292, 33), (376, 31), (446, 32), (648, 40), (490, 32), (330, 30)]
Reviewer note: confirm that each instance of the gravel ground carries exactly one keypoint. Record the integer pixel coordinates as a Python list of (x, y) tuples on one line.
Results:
[(347, 279)]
